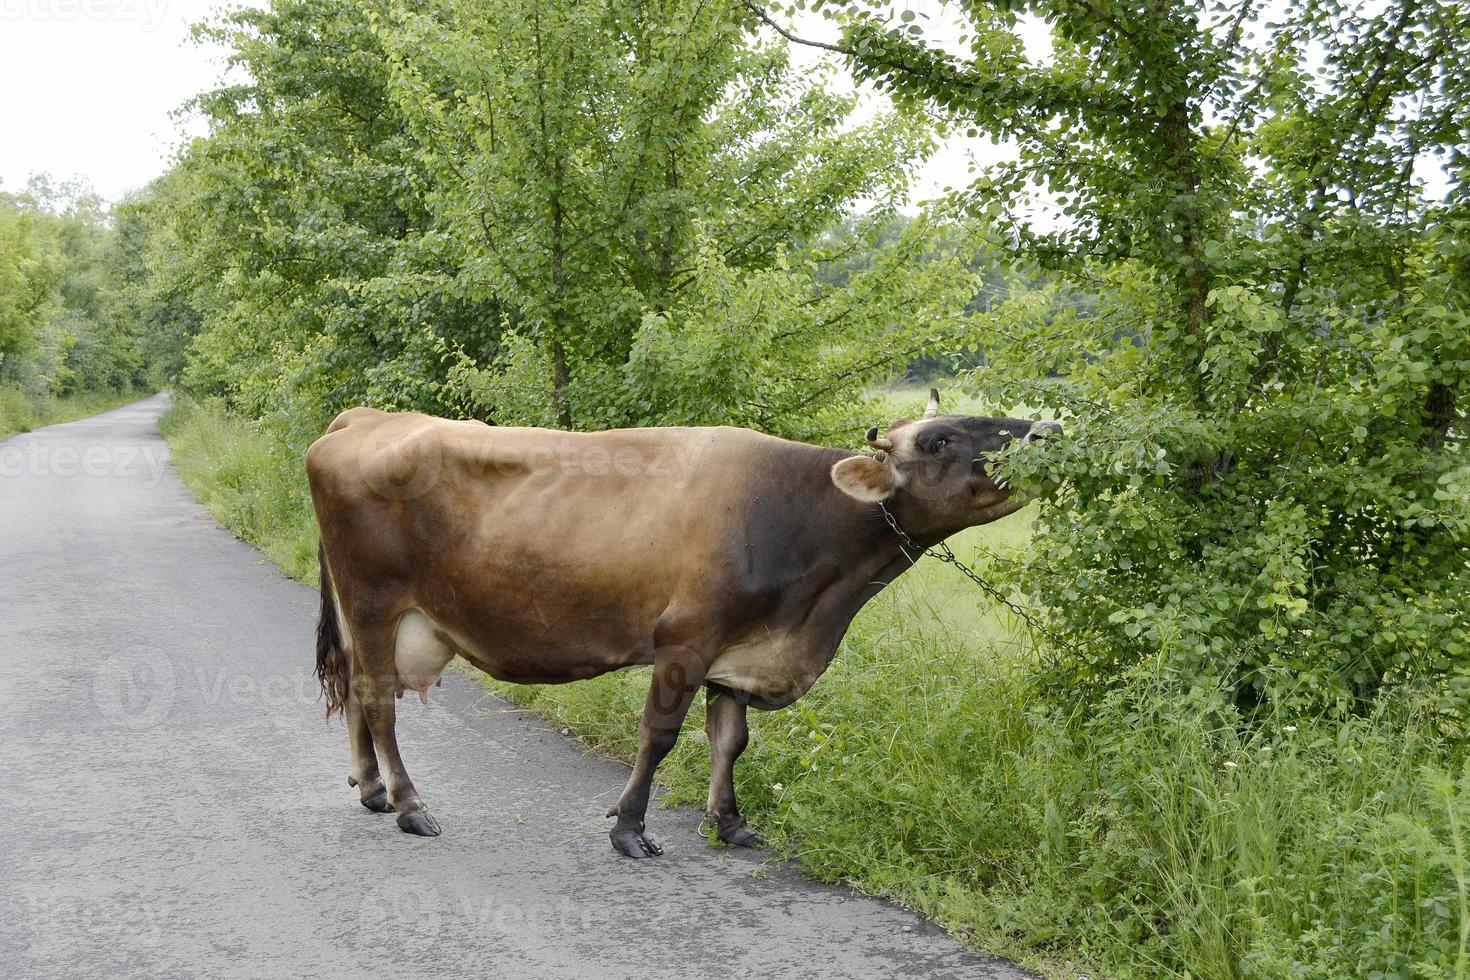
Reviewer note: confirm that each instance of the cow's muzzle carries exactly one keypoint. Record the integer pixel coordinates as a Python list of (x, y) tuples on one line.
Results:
[(1042, 430)]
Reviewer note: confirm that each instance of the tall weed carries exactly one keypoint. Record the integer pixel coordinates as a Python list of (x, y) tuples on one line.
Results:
[(254, 484)]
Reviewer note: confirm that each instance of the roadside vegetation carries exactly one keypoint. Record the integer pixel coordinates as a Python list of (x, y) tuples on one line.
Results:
[(1235, 745), (21, 413), (1143, 835), (251, 484), (72, 337)]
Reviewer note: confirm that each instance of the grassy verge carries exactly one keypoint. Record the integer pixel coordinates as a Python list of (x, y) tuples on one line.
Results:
[(1148, 836), (251, 484), (20, 412)]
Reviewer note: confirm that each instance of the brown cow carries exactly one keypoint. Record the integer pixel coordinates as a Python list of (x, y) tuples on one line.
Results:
[(724, 558)]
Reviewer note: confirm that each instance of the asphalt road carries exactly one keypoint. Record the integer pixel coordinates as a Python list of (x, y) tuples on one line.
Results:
[(175, 805)]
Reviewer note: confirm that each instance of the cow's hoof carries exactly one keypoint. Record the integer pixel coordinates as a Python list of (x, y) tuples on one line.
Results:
[(378, 802), (633, 844), (741, 835), (420, 823)]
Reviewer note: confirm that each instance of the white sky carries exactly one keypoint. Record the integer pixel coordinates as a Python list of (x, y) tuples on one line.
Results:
[(91, 87), (950, 166)]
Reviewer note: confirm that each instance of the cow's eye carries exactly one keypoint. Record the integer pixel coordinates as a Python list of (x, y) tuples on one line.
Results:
[(937, 446)]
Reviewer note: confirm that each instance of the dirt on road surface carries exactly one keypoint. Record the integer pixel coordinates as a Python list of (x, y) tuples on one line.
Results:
[(176, 806)]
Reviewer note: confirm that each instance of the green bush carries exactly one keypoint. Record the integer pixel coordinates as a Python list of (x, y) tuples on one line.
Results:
[(17, 413), (1265, 484)]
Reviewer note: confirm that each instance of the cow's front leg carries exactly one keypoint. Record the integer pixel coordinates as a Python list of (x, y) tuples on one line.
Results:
[(677, 675), (725, 724)]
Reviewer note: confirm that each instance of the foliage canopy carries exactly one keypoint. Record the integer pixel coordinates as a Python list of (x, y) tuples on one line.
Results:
[(549, 213), (65, 322), (1266, 486)]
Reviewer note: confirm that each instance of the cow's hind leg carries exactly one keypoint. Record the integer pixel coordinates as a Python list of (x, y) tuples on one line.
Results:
[(364, 774), (378, 694), (677, 675), (725, 724)]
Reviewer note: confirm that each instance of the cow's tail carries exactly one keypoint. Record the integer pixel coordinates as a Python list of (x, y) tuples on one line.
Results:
[(331, 659)]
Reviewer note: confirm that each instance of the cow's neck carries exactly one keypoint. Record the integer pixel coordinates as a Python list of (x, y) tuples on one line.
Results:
[(853, 535), (919, 526), (876, 557), (868, 550)]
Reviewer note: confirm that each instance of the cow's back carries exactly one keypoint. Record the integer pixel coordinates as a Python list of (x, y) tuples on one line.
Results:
[(533, 543)]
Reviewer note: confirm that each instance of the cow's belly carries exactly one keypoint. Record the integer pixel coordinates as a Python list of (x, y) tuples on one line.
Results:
[(777, 667), (508, 649)]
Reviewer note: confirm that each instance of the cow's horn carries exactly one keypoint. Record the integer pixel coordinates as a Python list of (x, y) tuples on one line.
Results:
[(933, 408), (875, 442)]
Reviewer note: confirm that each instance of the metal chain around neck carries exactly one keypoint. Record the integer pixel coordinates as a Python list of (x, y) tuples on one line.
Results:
[(941, 552)]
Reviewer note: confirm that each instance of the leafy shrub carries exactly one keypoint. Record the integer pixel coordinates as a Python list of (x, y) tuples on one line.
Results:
[(1301, 537), (1266, 485)]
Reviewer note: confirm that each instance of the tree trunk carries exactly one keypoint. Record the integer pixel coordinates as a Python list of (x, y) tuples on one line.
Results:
[(1195, 277), (1439, 413), (560, 373)]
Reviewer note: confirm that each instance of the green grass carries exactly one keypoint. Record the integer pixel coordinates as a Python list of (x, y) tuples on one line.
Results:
[(252, 484), (20, 412), (1143, 837), (907, 400)]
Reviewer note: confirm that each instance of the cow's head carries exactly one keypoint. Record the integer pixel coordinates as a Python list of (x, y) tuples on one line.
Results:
[(937, 469)]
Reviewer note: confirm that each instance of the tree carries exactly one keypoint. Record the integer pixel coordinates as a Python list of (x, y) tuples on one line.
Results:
[(504, 210), (27, 280), (296, 234), (586, 157), (61, 329), (1268, 485)]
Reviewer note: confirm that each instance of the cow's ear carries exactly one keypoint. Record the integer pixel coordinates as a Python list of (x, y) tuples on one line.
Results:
[(865, 478)]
